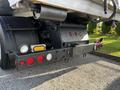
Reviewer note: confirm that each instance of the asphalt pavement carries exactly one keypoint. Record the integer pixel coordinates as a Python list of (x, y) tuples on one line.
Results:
[(90, 73)]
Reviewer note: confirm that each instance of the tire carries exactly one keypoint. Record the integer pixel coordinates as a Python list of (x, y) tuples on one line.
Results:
[(4, 62)]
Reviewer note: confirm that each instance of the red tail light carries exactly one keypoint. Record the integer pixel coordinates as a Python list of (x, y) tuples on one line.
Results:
[(30, 61), (22, 62), (40, 58)]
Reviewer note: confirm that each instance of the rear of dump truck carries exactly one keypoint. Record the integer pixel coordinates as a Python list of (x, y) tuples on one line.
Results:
[(47, 34)]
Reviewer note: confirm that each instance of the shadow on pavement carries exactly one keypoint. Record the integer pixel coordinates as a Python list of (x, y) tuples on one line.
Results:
[(106, 66), (36, 80), (115, 85)]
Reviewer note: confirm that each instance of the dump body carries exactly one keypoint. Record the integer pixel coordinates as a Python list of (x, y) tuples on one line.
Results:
[(87, 7)]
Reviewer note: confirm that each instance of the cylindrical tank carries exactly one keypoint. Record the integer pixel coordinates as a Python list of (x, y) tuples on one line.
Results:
[(50, 13)]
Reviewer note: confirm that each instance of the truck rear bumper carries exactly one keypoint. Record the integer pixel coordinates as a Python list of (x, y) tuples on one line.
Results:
[(53, 55), (82, 49)]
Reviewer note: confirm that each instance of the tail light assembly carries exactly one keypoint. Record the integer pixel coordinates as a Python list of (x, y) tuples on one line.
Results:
[(36, 59)]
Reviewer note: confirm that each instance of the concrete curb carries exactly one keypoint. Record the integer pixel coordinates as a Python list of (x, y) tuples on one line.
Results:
[(107, 56)]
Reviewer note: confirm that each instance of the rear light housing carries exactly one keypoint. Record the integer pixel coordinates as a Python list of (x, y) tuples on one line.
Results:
[(34, 59)]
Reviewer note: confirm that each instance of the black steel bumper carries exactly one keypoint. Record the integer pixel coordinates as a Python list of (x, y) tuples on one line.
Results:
[(58, 54), (83, 49)]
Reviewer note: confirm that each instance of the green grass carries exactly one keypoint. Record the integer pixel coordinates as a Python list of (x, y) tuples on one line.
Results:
[(111, 45)]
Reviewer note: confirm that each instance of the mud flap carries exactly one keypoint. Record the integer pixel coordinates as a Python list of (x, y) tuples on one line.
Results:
[(5, 9)]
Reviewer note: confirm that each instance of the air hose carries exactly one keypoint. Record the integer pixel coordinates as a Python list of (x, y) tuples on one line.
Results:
[(114, 8), (105, 11)]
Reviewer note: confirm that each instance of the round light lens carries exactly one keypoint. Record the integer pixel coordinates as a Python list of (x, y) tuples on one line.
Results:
[(30, 61), (40, 58), (22, 62), (24, 49), (49, 57)]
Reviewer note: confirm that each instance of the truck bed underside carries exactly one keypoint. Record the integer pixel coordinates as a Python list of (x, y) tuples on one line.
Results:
[(87, 7)]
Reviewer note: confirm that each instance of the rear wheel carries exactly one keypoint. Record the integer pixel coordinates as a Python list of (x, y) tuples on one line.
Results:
[(4, 59)]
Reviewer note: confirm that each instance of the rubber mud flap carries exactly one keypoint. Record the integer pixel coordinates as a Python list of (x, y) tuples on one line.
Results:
[(5, 9)]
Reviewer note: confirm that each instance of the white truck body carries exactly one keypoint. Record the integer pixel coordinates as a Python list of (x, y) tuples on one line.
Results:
[(87, 7)]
